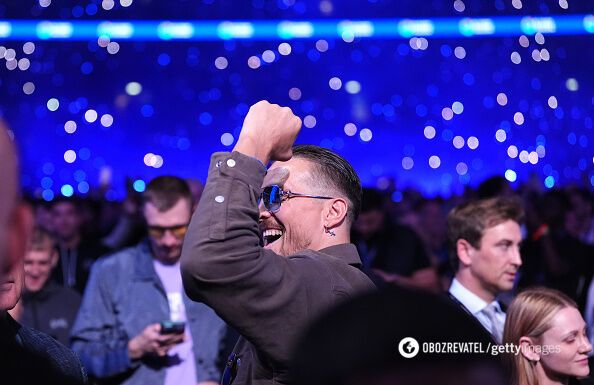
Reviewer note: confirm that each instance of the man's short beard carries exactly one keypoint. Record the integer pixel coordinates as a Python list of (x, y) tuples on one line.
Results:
[(299, 242)]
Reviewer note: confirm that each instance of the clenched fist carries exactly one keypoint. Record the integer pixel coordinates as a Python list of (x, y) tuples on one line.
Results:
[(268, 132)]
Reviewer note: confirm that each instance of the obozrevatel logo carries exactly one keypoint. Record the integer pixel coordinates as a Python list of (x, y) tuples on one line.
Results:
[(408, 347)]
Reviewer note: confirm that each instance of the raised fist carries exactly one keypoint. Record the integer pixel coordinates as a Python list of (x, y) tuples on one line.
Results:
[(268, 132)]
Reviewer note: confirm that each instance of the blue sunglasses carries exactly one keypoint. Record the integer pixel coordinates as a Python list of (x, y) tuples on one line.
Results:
[(273, 196)]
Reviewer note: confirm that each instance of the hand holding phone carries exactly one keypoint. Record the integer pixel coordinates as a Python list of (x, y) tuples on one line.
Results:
[(156, 339), (172, 327)]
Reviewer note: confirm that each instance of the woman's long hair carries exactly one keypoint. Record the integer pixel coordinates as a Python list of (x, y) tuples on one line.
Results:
[(530, 315)]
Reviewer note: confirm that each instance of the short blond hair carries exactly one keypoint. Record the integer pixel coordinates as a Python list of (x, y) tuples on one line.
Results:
[(41, 240)]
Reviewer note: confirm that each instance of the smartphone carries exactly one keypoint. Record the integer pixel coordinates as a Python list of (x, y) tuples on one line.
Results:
[(172, 327)]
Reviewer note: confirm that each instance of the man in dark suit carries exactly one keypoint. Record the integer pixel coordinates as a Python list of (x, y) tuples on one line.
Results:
[(77, 251), (484, 238)]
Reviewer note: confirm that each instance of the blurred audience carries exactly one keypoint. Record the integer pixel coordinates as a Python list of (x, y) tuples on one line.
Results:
[(129, 227), (555, 253), (496, 186), (581, 215), (196, 188), (392, 254), (77, 250), (42, 213), (430, 225), (404, 244)]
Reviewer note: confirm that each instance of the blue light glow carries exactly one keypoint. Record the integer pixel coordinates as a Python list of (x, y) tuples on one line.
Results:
[(48, 168), (175, 30), (225, 30), (5, 29), (51, 30), (147, 110), (396, 196), (86, 68), (205, 118), (164, 59), (47, 195), (67, 190), (116, 30), (400, 100), (83, 187), (84, 153), (139, 185), (46, 182)]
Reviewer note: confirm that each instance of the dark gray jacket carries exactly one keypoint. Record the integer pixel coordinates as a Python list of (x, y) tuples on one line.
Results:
[(268, 298), (51, 310), (28, 356), (124, 295)]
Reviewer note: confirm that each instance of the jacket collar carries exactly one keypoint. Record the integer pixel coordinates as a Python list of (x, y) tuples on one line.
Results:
[(346, 252), (143, 266), (49, 288)]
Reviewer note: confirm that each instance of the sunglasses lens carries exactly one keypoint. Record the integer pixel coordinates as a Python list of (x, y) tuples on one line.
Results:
[(271, 196), (159, 232), (179, 232), (156, 232)]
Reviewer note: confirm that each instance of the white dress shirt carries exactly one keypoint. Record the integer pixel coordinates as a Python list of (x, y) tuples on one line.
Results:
[(475, 305)]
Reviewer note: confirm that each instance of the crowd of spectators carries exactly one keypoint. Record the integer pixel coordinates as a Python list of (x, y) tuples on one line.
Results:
[(402, 244)]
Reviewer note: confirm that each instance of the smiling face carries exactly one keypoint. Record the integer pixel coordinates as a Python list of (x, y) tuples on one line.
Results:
[(568, 333), (492, 267), (298, 224), (38, 268)]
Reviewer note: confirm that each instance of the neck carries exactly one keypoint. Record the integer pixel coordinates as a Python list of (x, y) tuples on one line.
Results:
[(162, 259), (340, 237), (546, 378), (71, 242), (472, 284)]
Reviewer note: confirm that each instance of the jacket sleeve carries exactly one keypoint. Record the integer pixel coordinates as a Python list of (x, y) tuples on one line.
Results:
[(96, 336), (224, 265)]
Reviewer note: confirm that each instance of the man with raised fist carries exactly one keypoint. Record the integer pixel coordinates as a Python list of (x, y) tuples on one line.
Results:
[(270, 250)]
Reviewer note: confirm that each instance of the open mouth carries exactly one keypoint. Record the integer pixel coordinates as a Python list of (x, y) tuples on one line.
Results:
[(271, 235)]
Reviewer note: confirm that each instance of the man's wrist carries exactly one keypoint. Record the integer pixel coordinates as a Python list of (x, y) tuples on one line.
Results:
[(247, 147), (133, 351)]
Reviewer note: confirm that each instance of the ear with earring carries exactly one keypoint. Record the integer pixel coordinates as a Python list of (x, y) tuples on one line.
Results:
[(329, 231)]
